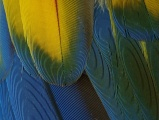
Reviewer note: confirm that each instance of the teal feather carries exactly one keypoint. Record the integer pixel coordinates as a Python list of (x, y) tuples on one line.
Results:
[(137, 19), (120, 74)]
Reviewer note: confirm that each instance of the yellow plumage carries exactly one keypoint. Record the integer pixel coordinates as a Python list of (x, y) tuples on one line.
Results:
[(51, 25), (12, 10), (59, 35)]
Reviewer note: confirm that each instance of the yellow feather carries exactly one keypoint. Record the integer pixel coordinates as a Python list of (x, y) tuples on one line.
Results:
[(47, 24), (153, 7), (12, 10), (144, 50), (59, 35), (13, 15)]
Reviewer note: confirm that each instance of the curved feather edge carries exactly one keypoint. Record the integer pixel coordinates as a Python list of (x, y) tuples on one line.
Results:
[(99, 66), (136, 69), (12, 10), (136, 19), (128, 77), (28, 96), (58, 41)]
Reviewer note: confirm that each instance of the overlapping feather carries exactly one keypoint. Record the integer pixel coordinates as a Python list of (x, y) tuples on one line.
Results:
[(77, 102), (102, 64), (138, 19), (12, 10), (59, 37), (136, 60), (28, 96), (54, 38), (121, 76)]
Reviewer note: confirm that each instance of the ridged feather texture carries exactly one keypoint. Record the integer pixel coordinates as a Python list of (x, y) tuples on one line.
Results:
[(138, 82), (53, 40), (123, 79), (139, 61), (59, 36), (137, 19), (12, 10), (76, 102), (6, 48), (102, 63), (28, 96)]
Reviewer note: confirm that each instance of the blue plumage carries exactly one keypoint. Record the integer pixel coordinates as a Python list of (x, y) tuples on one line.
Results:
[(6, 48)]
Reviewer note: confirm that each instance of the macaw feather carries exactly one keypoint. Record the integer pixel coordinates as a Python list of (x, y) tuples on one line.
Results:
[(135, 67), (137, 19), (101, 62), (6, 48), (121, 74), (28, 96), (12, 10), (137, 72), (76, 102), (59, 37), (100, 76)]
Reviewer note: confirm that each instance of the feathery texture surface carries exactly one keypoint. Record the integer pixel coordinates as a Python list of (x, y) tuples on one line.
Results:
[(12, 10), (101, 63), (79, 101), (28, 96), (139, 87), (59, 36), (138, 19), (6, 49), (121, 76)]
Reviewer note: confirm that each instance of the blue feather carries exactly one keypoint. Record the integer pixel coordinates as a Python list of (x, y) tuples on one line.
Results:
[(6, 48), (28, 96)]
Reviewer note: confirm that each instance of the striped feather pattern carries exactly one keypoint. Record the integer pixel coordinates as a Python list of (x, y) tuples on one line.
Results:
[(140, 85), (79, 101), (99, 73), (12, 10), (6, 48), (28, 96), (137, 19), (122, 79), (139, 78), (59, 36), (102, 65)]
